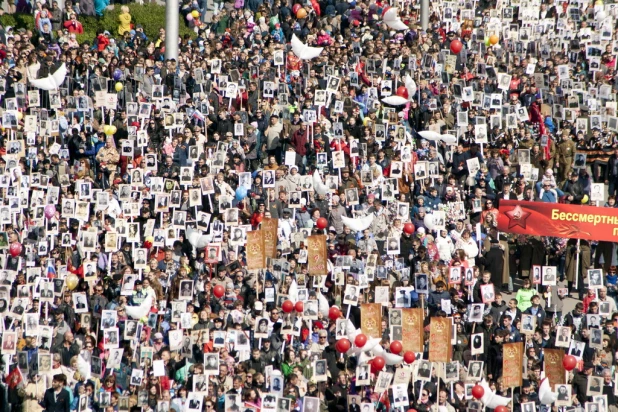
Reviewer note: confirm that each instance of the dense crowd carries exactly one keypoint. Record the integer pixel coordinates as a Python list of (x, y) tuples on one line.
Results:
[(131, 182)]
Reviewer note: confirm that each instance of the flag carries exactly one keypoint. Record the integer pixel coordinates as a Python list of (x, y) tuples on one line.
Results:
[(199, 116), (51, 270)]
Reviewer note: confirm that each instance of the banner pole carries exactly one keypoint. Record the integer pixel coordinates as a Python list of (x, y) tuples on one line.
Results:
[(577, 266)]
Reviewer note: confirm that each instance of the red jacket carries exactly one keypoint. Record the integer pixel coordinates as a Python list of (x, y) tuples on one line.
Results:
[(74, 27), (102, 42)]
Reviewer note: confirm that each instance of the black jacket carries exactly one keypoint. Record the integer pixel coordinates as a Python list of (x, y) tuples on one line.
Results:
[(53, 403)]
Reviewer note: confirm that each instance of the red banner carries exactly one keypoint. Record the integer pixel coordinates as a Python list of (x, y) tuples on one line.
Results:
[(558, 220)]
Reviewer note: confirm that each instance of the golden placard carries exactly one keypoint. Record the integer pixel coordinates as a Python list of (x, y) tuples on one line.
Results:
[(270, 226), (371, 319), (413, 333), (440, 349), (512, 364), (256, 250), (554, 370), (317, 256)]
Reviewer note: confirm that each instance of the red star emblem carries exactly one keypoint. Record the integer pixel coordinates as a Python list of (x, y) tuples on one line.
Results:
[(517, 217)]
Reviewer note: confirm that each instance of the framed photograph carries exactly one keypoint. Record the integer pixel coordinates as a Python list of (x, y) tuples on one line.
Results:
[(423, 371), (536, 275), (563, 336), (475, 370), (488, 293), (595, 387), (211, 364), (563, 393), (476, 312), (477, 344), (549, 275)]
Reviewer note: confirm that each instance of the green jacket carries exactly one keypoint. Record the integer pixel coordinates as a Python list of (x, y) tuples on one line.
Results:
[(524, 297)]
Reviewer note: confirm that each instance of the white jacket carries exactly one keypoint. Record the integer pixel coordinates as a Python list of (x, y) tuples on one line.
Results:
[(471, 249), (445, 248)]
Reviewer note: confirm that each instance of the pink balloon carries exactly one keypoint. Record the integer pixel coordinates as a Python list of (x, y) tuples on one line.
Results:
[(189, 17), (50, 211)]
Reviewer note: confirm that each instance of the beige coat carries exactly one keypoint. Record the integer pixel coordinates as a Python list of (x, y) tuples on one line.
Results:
[(34, 393)]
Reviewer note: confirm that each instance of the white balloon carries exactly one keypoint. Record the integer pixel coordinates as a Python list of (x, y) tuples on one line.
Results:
[(83, 367), (318, 186), (51, 82), (138, 312), (546, 396), (303, 51), (429, 222), (448, 138), (429, 135), (410, 85), (391, 19), (323, 305), (395, 100), (490, 399), (196, 239), (359, 224)]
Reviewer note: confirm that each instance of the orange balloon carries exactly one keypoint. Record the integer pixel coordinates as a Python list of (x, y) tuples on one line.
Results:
[(493, 39), (301, 13)]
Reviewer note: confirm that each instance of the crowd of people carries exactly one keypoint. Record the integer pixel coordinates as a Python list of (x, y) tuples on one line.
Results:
[(131, 182)]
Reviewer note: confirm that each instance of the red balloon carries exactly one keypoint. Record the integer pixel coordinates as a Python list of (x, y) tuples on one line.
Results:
[(295, 8), (377, 364), (343, 345), (15, 249), (218, 291), (360, 340), (259, 218), (287, 306), (299, 306), (478, 392), (409, 357), (322, 223), (402, 92), (501, 408), (456, 46), (569, 362), (408, 228), (334, 313), (396, 347)]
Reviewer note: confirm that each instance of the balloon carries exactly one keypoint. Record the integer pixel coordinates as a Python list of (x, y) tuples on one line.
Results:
[(259, 218), (15, 249), (117, 74), (195, 14), (456, 46), (360, 340), (478, 391), (50, 211), (189, 17), (287, 306), (334, 313), (487, 43), (322, 223), (241, 193), (148, 242), (493, 39), (501, 409), (569, 362), (219, 291), (295, 8), (429, 222), (377, 364), (20, 115), (409, 356), (408, 228), (118, 86), (396, 347), (299, 306), (343, 345), (301, 13), (109, 130), (72, 280), (585, 199), (402, 92)]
